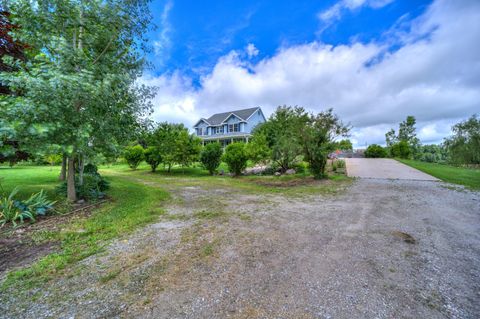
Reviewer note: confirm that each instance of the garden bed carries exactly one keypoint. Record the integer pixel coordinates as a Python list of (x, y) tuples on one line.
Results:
[(19, 246)]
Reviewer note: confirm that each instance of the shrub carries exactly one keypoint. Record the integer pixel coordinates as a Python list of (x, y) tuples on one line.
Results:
[(236, 158), (134, 155), (153, 157), (300, 167), (401, 149), (211, 156), (94, 185), (375, 151), (336, 164)]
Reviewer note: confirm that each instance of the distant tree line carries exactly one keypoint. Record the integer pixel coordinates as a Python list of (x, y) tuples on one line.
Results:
[(462, 148)]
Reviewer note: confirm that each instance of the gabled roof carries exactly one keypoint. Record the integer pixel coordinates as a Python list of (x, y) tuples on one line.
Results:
[(201, 120), (219, 118)]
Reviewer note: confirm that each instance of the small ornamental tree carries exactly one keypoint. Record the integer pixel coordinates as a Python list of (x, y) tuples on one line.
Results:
[(134, 155), (375, 151), (187, 148), (236, 158), (153, 157), (211, 156), (258, 150), (318, 139)]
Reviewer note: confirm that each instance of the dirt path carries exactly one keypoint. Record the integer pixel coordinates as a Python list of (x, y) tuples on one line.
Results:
[(383, 249)]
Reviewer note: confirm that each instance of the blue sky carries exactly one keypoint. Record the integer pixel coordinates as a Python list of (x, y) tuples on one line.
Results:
[(373, 61), (200, 32)]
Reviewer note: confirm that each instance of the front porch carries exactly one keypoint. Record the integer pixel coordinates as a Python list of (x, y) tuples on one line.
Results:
[(226, 139)]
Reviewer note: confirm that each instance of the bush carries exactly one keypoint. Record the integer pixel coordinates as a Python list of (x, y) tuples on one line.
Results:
[(236, 158), (401, 149), (153, 157), (94, 185), (134, 155), (211, 156), (300, 167), (375, 151)]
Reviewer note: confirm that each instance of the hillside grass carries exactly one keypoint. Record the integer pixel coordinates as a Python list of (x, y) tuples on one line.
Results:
[(467, 177)]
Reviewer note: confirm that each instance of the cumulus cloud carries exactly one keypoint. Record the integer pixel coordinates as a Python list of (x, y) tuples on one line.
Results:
[(435, 76), (251, 50)]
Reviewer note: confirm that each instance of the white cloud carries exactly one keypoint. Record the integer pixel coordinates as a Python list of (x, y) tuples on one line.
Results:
[(164, 43), (435, 76), (333, 13), (251, 50)]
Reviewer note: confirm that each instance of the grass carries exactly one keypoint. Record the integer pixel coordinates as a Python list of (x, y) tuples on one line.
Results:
[(137, 199), (30, 179), (133, 205), (467, 177)]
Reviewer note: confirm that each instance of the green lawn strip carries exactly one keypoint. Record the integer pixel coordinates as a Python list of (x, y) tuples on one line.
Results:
[(457, 175), (29, 179), (133, 205)]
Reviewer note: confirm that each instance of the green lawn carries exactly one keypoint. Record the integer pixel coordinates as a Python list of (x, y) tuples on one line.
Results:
[(133, 204), (451, 174), (29, 179)]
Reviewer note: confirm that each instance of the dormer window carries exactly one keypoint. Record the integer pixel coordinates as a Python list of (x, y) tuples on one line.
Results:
[(233, 128)]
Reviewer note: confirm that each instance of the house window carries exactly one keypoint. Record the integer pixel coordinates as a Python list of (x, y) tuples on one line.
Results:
[(218, 130), (233, 128), (200, 131)]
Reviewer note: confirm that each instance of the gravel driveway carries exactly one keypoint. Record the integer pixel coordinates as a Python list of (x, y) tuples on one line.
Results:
[(384, 168), (381, 249)]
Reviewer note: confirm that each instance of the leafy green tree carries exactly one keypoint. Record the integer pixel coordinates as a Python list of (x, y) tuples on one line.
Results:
[(391, 138), (53, 158), (344, 145), (406, 133), (375, 151), (78, 89), (431, 153), (153, 157), (281, 132), (257, 149), (236, 158), (211, 157), (464, 146), (401, 149), (165, 136), (317, 138), (188, 147), (134, 155)]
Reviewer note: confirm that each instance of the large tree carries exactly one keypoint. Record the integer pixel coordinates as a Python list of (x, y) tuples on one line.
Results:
[(78, 90), (464, 146), (10, 150)]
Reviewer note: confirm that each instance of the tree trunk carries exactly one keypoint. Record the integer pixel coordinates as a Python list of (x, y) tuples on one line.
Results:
[(81, 166), (63, 171), (71, 193)]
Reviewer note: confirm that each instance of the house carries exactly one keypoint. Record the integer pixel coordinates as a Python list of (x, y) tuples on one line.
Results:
[(229, 127)]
